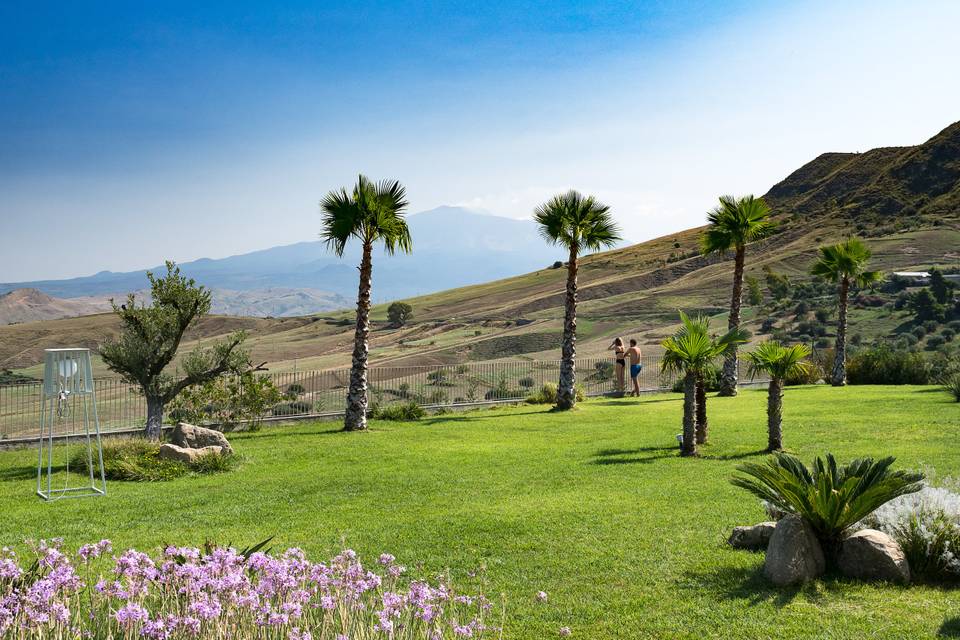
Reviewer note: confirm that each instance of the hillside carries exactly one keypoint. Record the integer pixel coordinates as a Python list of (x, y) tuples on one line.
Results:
[(29, 305), (636, 290)]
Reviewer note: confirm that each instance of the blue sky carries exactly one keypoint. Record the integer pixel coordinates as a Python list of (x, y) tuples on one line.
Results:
[(132, 132)]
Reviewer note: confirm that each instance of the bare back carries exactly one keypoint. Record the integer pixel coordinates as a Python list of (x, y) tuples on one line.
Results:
[(634, 354)]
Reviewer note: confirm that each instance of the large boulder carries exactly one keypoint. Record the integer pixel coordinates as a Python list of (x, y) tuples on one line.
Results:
[(753, 538), (794, 555), (869, 554), (186, 454), (190, 436)]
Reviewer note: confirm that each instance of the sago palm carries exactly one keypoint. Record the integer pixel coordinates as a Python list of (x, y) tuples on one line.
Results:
[(578, 223), (372, 213), (779, 362), (733, 224), (846, 264), (689, 353), (829, 496)]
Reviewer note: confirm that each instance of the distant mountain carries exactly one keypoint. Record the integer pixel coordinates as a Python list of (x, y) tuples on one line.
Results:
[(277, 302), (453, 247), (27, 305)]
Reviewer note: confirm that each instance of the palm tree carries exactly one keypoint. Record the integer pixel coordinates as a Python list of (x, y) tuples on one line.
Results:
[(577, 223), (845, 263), (689, 353), (733, 224), (779, 362), (372, 213)]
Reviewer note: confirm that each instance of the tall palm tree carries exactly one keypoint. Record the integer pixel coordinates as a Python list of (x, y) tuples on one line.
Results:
[(577, 223), (689, 353), (372, 213), (733, 224), (846, 264), (779, 362)]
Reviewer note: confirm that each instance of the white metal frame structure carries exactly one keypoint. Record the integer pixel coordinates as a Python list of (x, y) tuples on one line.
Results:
[(68, 398)]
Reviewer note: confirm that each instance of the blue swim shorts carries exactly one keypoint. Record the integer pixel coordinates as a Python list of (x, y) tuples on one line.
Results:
[(635, 370)]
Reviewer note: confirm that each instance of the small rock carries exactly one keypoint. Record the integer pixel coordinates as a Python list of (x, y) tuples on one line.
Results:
[(794, 554), (869, 554), (186, 454), (753, 538), (190, 436)]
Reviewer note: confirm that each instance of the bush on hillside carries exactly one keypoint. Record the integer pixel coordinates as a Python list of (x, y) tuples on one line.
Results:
[(886, 365), (811, 374), (547, 394), (297, 408)]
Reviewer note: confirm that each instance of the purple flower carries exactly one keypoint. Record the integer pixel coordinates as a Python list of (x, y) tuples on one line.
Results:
[(130, 614)]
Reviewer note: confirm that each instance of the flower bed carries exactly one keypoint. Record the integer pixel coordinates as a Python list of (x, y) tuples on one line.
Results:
[(223, 593)]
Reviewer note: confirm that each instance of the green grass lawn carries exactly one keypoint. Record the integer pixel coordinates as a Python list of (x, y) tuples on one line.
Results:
[(593, 506)]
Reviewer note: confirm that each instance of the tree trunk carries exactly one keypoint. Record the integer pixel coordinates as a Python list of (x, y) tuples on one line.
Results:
[(728, 381), (154, 418), (689, 446), (701, 410), (566, 393), (839, 377), (355, 417), (775, 415)]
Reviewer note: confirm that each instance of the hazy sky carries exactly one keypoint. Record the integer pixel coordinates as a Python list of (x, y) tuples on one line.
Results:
[(131, 132)]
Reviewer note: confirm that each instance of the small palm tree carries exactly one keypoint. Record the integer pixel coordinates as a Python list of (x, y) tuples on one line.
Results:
[(689, 353), (846, 264), (372, 213), (830, 497), (733, 224), (779, 362), (577, 223)]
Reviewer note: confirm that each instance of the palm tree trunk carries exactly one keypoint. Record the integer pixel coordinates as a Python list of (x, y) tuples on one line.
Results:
[(701, 409), (775, 415), (728, 381), (355, 417), (689, 446), (566, 394), (839, 377), (154, 418)]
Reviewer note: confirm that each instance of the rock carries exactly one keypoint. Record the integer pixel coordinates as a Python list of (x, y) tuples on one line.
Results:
[(753, 538), (186, 454), (189, 436), (869, 554), (794, 554)]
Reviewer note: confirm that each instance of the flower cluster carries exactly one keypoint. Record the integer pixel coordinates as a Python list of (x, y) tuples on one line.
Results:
[(223, 593)]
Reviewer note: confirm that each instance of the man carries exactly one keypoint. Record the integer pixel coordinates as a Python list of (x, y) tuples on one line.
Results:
[(635, 367)]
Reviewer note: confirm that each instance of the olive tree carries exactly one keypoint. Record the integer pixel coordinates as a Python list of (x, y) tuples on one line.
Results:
[(151, 336)]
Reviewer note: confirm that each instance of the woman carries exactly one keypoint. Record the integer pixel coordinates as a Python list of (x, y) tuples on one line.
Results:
[(618, 354)]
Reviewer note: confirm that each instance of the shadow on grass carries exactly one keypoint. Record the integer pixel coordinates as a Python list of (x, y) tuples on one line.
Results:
[(24, 473), (477, 417), (630, 456), (735, 456), (748, 584), (632, 402), (950, 628)]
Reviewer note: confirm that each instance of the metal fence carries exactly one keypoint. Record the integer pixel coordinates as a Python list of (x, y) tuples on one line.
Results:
[(323, 393)]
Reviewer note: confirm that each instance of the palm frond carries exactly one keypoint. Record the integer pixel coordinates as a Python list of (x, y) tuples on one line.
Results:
[(371, 212), (831, 497), (736, 222), (779, 361), (572, 219)]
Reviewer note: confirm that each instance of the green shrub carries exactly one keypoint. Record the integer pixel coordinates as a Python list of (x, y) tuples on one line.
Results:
[(811, 374), (547, 394), (952, 385), (830, 497), (401, 411), (526, 383), (885, 365), (934, 343), (948, 334), (139, 460), (296, 408)]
